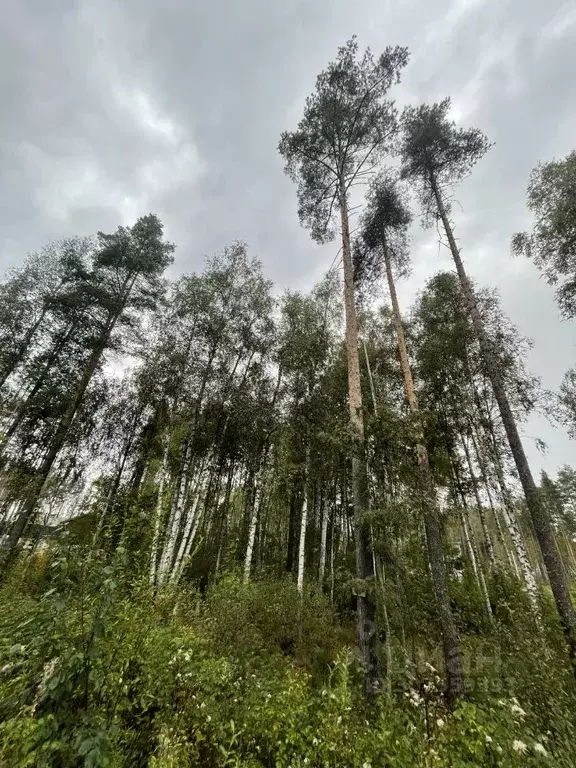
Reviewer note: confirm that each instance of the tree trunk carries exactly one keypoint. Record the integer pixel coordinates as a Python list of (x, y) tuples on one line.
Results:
[(56, 444), (481, 512), (323, 537), (23, 407), (259, 481), (158, 516), (432, 524), (302, 543), (511, 522), (303, 524), (486, 482), (23, 349), (540, 519), (366, 609)]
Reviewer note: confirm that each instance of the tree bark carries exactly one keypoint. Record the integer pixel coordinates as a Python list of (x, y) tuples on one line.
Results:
[(323, 537), (365, 603), (432, 524), (539, 516), (158, 516), (259, 481), (481, 512)]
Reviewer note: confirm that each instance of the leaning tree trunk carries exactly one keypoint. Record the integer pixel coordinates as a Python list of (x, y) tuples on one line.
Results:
[(365, 602), (452, 659), (540, 519), (23, 347), (481, 513), (24, 406), (37, 485)]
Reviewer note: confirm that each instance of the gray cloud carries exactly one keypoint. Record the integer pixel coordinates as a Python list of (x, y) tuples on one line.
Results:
[(113, 109)]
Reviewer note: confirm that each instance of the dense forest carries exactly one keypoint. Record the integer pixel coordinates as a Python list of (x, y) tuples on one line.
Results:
[(249, 528)]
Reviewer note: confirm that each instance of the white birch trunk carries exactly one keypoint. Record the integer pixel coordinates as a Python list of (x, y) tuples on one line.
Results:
[(521, 554), (475, 565), (258, 492), (157, 518), (173, 528), (323, 536), (188, 537), (302, 542)]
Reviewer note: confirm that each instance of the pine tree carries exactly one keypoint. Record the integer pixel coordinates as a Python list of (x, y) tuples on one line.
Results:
[(436, 154), (346, 126), (127, 269), (383, 236)]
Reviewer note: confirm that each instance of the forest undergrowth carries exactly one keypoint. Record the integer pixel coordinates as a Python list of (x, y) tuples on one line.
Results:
[(98, 671)]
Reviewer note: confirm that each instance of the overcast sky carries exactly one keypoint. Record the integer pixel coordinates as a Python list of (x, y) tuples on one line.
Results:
[(111, 110)]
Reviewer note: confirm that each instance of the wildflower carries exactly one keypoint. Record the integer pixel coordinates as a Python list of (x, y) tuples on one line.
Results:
[(366, 764), (315, 741), (488, 739), (439, 722), (208, 718), (516, 709), (429, 667), (519, 746), (498, 749), (415, 699), (540, 750)]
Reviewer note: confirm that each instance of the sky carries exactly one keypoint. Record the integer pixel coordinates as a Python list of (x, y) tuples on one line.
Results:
[(116, 108)]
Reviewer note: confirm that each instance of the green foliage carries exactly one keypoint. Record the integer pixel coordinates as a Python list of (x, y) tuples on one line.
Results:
[(552, 242), (96, 671), (346, 126)]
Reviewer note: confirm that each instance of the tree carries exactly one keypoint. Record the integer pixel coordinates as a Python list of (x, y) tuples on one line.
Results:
[(127, 269), (552, 242), (436, 154), (33, 292), (383, 234), (453, 386), (346, 127)]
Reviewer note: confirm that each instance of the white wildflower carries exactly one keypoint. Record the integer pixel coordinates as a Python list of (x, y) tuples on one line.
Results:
[(540, 750), (498, 749), (208, 718), (415, 699), (488, 739), (366, 764), (439, 722), (339, 719), (519, 746), (516, 709), (429, 667), (315, 741)]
